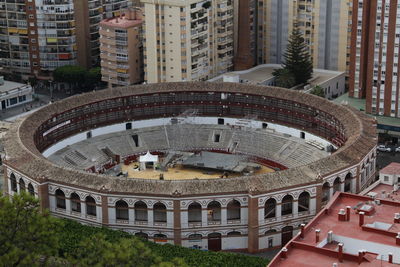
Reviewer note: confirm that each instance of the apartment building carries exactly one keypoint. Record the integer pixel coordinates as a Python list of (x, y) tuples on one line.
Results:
[(324, 23), (37, 36), (245, 34), (121, 49), (375, 56), (187, 40)]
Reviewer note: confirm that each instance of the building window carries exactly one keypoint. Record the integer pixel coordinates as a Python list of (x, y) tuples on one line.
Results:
[(60, 199), (90, 206), (386, 178)]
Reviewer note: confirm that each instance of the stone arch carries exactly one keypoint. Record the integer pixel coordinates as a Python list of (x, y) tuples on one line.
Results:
[(60, 199), (214, 212), (325, 192), (75, 202), (90, 206), (31, 190), (121, 210), (194, 212), (160, 212), (141, 211), (233, 210), (304, 201), (287, 205), (336, 185), (348, 183), (13, 181), (270, 208), (21, 185)]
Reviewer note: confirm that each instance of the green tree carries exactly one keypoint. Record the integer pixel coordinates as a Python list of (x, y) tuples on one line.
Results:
[(97, 251), (27, 234), (319, 91), (92, 78), (284, 78), (297, 59), (73, 75)]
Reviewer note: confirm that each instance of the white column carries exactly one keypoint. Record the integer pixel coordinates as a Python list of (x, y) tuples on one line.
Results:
[(295, 208), (18, 188), (204, 217), (68, 205), (243, 215), (330, 192), (341, 187), (99, 214), (278, 211), (170, 218), (131, 212), (313, 205), (224, 215), (83, 209), (150, 217), (9, 186)]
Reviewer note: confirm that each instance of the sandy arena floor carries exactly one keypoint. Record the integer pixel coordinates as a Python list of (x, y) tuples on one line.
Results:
[(179, 173)]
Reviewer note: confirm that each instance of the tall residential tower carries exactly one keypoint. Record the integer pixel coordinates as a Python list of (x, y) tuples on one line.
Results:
[(187, 40)]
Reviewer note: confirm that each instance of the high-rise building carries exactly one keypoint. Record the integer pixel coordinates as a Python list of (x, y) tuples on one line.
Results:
[(324, 23), (121, 49), (37, 36), (374, 72), (187, 40)]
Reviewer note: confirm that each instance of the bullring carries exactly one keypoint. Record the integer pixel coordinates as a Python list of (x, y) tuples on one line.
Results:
[(252, 213)]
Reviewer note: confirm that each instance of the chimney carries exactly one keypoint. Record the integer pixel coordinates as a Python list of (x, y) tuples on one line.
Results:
[(284, 253), (397, 218), (340, 254), (398, 239), (342, 215), (360, 256), (330, 237), (361, 220), (348, 209), (302, 230), (390, 257), (317, 231)]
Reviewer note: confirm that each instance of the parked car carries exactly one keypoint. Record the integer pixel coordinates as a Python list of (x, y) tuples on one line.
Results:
[(384, 148), (397, 149)]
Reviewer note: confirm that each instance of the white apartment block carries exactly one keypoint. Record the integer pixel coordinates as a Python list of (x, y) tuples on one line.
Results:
[(187, 40)]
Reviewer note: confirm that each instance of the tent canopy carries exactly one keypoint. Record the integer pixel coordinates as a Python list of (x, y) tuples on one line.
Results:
[(148, 158)]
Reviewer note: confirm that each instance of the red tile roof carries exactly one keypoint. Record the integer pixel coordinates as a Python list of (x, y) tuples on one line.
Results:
[(377, 235), (392, 168)]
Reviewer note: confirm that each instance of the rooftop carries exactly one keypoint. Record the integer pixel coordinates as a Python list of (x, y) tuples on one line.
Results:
[(392, 168), (360, 105), (373, 232), (263, 73), (9, 86), (121, 22)]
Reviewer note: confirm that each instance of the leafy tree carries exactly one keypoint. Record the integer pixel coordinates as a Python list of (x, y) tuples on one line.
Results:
[(284, 78), (73, 75), (297, 59), (97, 251), (319, 91), (27, 235), (93, 78)]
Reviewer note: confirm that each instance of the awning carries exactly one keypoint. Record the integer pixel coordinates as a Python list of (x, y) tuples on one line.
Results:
[(148, 158)]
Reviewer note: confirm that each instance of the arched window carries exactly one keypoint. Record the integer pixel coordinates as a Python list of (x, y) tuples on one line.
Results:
[(304, 202), (347, 183), (270, 209), (214, 212), (122, 210), (60, 199), (287, 205), (140, 211), (194, 212), (270, 232), (13, 183), (336, 185), (142, 235), (234, 233), (195, 237), (30, 189), (75, 202), (160, 213), (233, 210), (325, 192), (21, 185), (90, 206)]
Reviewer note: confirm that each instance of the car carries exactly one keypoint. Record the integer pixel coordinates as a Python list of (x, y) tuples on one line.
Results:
[(383, 148), (397, 149)]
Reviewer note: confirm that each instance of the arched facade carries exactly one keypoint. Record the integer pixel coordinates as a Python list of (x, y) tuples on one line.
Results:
[(263, 209)]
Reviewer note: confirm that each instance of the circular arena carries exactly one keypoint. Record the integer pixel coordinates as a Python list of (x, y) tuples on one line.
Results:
[(218, 166)]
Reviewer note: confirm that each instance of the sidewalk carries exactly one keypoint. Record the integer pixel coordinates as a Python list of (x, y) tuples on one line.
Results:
[(15, 112)]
